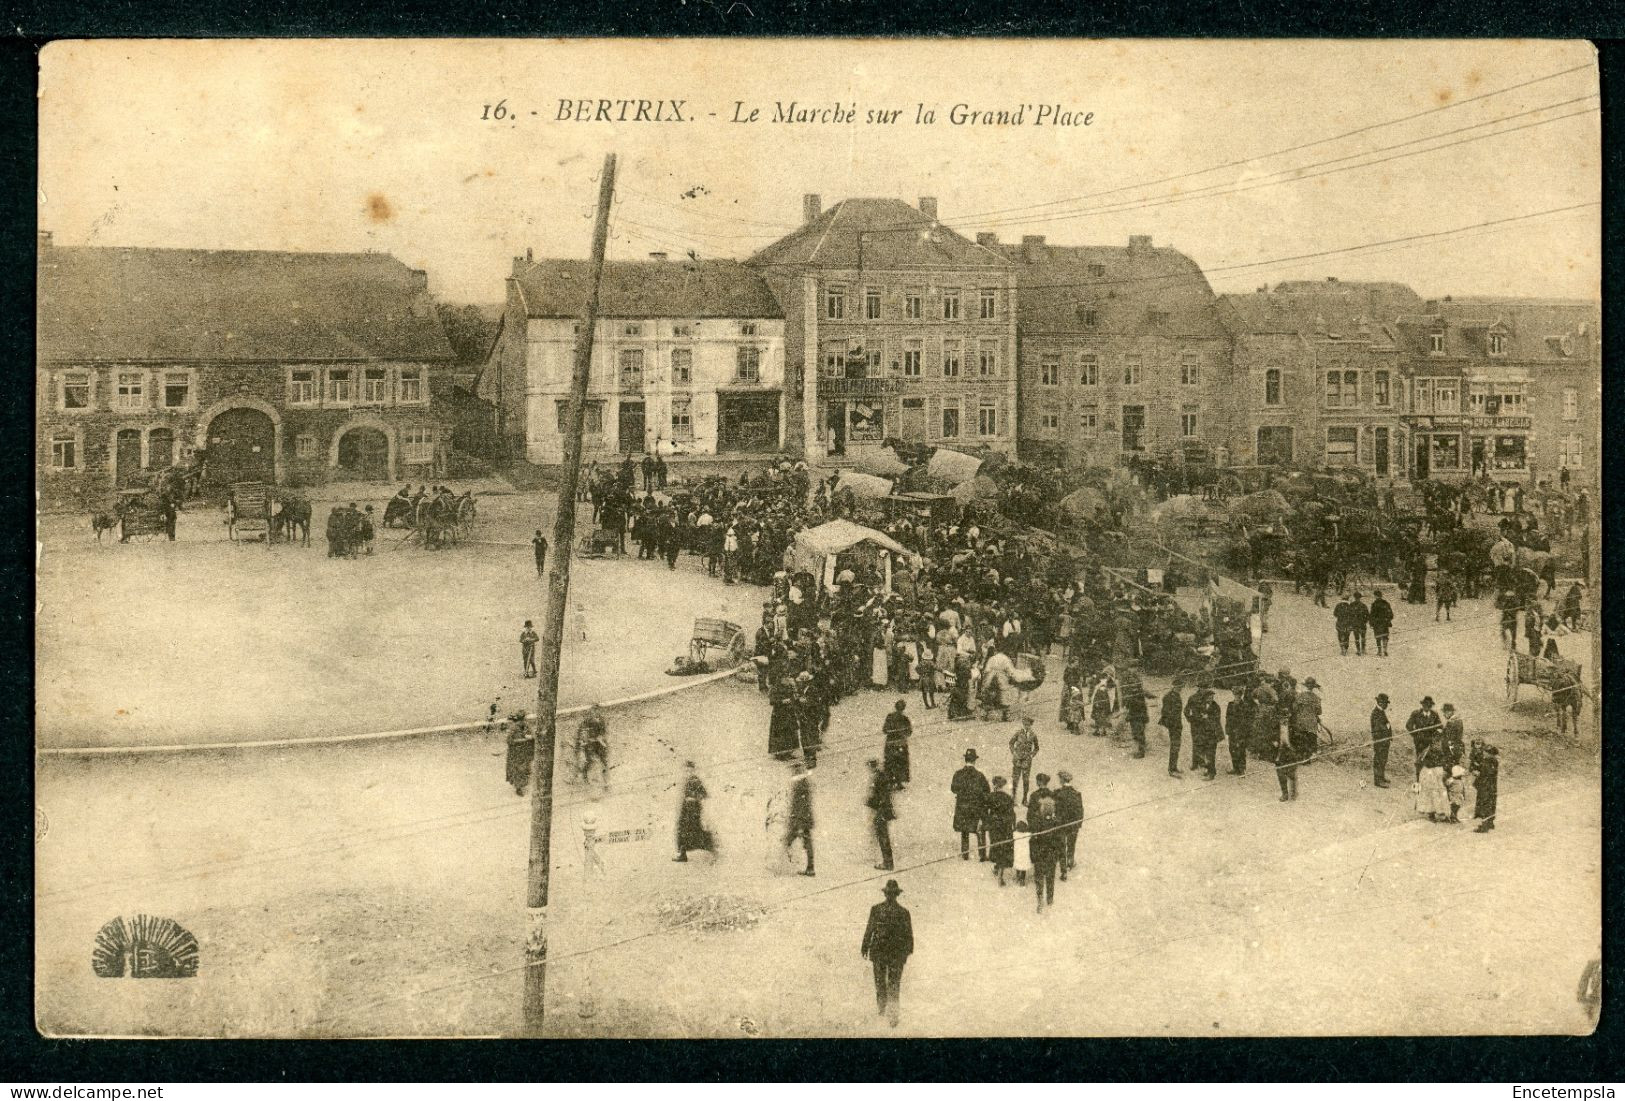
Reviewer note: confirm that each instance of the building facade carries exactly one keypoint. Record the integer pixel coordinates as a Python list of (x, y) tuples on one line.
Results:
[(1122, 353), (294, 368), (895, 327), (1506, 388), (1319, 376), (688, 359)]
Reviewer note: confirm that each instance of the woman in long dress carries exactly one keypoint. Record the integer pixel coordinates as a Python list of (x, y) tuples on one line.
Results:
[(691, 832), (1000, 817)]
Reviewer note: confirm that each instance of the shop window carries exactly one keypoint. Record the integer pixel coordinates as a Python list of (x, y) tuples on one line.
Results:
[(1342, 446)]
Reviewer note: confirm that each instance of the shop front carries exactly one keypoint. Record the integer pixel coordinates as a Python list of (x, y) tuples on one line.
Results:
[(1438, 448)]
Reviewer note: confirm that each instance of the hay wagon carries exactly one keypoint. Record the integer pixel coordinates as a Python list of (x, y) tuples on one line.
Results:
[(250, 511), (1548, 676)]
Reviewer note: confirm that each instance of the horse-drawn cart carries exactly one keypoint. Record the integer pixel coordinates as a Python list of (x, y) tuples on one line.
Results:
[(142, 512), (601, 543), (1548, 676)]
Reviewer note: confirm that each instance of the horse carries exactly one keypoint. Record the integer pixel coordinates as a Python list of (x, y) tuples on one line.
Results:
[(292, 520), (436, 519), (103, 521)]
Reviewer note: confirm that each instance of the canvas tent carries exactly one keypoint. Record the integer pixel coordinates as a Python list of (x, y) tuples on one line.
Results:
[(821, 550), (953, 467), (863, 486)]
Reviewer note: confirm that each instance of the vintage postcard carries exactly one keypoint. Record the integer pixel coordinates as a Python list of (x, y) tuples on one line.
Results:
[(796, 538)]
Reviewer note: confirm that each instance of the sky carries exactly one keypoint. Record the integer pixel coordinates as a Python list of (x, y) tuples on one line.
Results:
[(395, 146)]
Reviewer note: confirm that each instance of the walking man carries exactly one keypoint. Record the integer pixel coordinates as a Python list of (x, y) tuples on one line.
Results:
[(593, 738), (527, 648), (1382, 621), (881, 813), (1023, 748), (970, 791), (1382, 734), (888, 941), (1173, 722), (538, 543), (691, 831), (1069, 804)]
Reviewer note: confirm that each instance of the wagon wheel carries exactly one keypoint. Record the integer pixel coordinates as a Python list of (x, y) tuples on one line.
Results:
[(736, 649), (1512, 678)]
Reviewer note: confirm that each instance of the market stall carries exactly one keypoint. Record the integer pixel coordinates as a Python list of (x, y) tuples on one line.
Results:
[(839, 545)]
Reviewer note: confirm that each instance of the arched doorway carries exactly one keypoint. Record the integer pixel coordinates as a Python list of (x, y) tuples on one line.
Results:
[(363, 455), (241, 446)]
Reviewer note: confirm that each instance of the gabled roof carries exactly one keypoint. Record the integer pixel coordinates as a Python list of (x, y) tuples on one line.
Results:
[(648, 288), (194, 305), (1130, 290), (893, 236)]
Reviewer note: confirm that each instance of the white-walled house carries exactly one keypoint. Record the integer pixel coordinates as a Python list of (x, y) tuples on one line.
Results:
[(688, 359)]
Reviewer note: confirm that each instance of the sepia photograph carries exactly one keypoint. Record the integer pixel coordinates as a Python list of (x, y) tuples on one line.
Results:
[(793, 538)]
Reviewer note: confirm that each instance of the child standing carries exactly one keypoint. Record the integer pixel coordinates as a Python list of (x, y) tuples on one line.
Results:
[(1074, 708), (1456, 787), (1023, 861)]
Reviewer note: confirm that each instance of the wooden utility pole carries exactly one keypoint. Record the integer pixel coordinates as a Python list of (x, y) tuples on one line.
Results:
[(558, 591)]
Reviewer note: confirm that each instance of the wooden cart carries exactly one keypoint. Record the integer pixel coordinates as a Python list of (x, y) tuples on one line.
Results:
[(250, 511), (141, 512), (1537, 671), (719, 635)]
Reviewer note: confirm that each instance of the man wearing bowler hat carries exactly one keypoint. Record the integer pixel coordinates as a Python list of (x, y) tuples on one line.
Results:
[(888, 941), (970, 790), (1382, 733), (1423, 726)]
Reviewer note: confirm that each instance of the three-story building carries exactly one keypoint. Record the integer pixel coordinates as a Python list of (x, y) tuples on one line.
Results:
[(895, 326)]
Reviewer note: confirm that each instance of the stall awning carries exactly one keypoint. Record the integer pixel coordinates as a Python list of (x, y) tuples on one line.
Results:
[(839, 535)]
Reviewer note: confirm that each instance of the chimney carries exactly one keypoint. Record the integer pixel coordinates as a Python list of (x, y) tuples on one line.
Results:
[(1331, 279), (657, 256), (811, 207), (987, 240), (928, 207), (1139, 242), (420, 279), (527, 256), (1031, 246)]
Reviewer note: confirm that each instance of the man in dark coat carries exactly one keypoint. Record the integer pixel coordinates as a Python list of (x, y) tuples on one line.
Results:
[(691, 831), (888, 941), (1134, 697), (1069, 805), (881, 812), (783, 728), (1486, 787), (1382, 621), (1382, 734), (1359, 620), (1238, 727), (1343, 620), (799, 823), (970, 790), (1452, 737), (1423, 726), (1172, 720), (1202, 712), (1266, 719), (1045, 845), (896, 730)]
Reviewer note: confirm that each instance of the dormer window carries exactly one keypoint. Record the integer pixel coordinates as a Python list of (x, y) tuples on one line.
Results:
[(1498, 344), (1436, 343), (1088, 317), (1159, 317)]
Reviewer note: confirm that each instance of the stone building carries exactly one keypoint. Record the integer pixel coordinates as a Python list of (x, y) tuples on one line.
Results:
[(1122, 352), (289, 367), (895, 326), (688, 359), (1506, 388), (1319, 377)]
